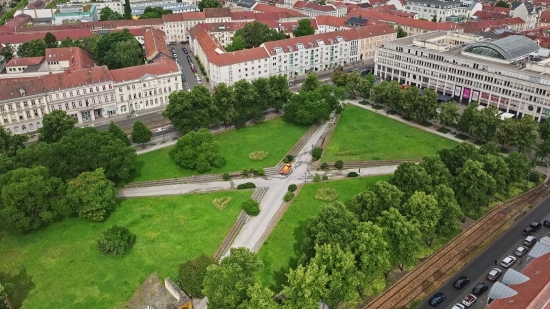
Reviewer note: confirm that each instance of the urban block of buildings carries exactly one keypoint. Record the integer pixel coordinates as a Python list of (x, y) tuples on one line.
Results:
[(509, 73)]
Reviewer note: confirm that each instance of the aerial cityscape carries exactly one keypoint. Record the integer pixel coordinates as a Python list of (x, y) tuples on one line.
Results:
[(264, 154)]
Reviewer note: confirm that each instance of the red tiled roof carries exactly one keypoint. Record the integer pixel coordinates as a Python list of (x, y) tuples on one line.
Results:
[(374, 30), (20, 38), (409, 22), (135, 31), (11, 87), (545, 16), (348, 35), (19, 20), (217, 12), (154, 42), (78, 58), (351, 6), (266, 16), (314, 6), (162, 65), (486, 15), (183, 16), (245, 15), (261, 7), (533, 293), (496, 9), (330, 20), (70, 79), (97, 25), (16, 62), (485, 25)]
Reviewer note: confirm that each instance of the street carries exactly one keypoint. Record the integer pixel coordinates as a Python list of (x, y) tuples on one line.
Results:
[(191, 80), (478, 268)]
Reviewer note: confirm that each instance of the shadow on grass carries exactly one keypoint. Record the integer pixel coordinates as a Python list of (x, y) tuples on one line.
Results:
[(23, 284), (462, 136), (443, 130)]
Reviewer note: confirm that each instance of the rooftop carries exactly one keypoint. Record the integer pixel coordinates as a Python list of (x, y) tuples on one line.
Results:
[(154, 43), (217, 12), (437, 3), (70, 79), (17, 62), (19, 87), (79, 59), (509, 48), (404, 21), (162, 65), (19, 38)]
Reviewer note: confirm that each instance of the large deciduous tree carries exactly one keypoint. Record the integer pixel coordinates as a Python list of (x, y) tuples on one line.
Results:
[(544, 129), (447, 225), (91, 195), (246, 107), (197, 151), (448, 114), (304, 28), (370, 204), (226, 284), (366, 85), (439, 173), (518, 165), (307, 107), (306, 286), (55, 125), (259, 297), (402, 236), (34, 48), (108, 14), (280, 92), (506, 131), (117, 132), (473, 186), (191, 274), (154, 12), (455, 157), (495, 166), (223, 98), (194, 110), (422, 210), (50, 40), (426, 108), (411, 97), (353, 82), (30, 198), (410, 177), (206, 4), (468, 118), (263, 89), (255, 34), (118, 50), (526, 134), (141, 134), (486, 124), (10, 143), (7, 53), (311, 83)]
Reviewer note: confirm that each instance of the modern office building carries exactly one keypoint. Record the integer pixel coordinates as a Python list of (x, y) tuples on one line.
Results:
[(509, 73)]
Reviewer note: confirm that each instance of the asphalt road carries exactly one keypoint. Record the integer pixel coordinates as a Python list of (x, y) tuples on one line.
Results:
[(190, 78), (478, 268)]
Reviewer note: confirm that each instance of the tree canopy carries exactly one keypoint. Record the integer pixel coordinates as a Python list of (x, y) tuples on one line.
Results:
[(253, 35), (304, 28), (141, 134), (55, 125), (197, 151), (154, 12), (108, 14), (205, 4), (34, 48), (118, 50)]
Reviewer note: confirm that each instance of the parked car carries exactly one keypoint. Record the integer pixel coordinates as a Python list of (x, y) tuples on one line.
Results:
[(458, 306), (469, 300), (529, 241), (508, 261), (199, 81), (494, 274), (532, 228), (480, 288), (185, 51), (546, 222), (173, 50), (521, 250), (461, 282), (437, 299)]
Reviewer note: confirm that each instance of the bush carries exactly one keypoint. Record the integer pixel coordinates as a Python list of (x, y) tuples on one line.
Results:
[(292, 187), (260, 172), (324, 166), (325, 177), (326, 195), (316, 153), (246, 173), (289, 158), (226, 176), (339, 164), (117, 240), (288, 196), (285, 160), (191, 273), (534, 177), (246, 185), (352, 174), (251, 207), (316, 178)]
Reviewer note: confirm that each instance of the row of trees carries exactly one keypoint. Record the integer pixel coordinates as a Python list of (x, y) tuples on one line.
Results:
[(253, 35), (149, 12), (236, 104), (69, 171)]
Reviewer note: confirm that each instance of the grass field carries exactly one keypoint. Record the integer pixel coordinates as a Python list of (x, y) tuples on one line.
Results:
[(282, 248), (362, 135), (274, 136), (61, 267)]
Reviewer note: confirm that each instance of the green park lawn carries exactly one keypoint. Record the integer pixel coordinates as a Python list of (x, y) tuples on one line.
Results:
[(61, 267), (274, 136), (362, 135), (281, 250)]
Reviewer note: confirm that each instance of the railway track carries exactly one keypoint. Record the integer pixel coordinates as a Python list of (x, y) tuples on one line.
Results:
[(424, 278), (258, 194)]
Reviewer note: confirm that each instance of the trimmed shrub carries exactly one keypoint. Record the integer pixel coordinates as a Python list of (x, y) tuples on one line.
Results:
[(226, 176), (246, 185), (339, 164), (251, 207), (316, 178), (316, 153), (326, 195), (292, 187), (288, 196), (325, 177), (534, 177), (289, 158), (260, 172), (352, 174), (117, 240), (324, 166), (221, 202), (246, 173)]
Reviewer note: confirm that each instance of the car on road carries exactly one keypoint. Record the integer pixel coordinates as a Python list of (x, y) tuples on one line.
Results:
[(508, 261), (494, 274), (437, 299), (529, 241), (173, 50), (480, 288), (461, 282), (532, 228), (521, 250), (458, 306), (185, 51), (469, 300), (184, 42), (546, 222)]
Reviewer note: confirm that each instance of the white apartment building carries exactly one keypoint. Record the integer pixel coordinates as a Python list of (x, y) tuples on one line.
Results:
[(290, 57), (510, 73), (528, 12), (178, 7), (22, 104), (313, 9), (116, 6), (149, 2), (426, 9), (176, 26)]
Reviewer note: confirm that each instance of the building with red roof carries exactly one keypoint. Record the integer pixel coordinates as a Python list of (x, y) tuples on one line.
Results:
[(16, 39), (154, 43), (313, 10)]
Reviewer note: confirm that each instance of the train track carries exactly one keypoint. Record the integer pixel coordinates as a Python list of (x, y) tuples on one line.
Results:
[(258, 194), (424, 278)]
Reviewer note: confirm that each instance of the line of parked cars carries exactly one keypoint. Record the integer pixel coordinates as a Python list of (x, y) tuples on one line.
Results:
[(495, 273)]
